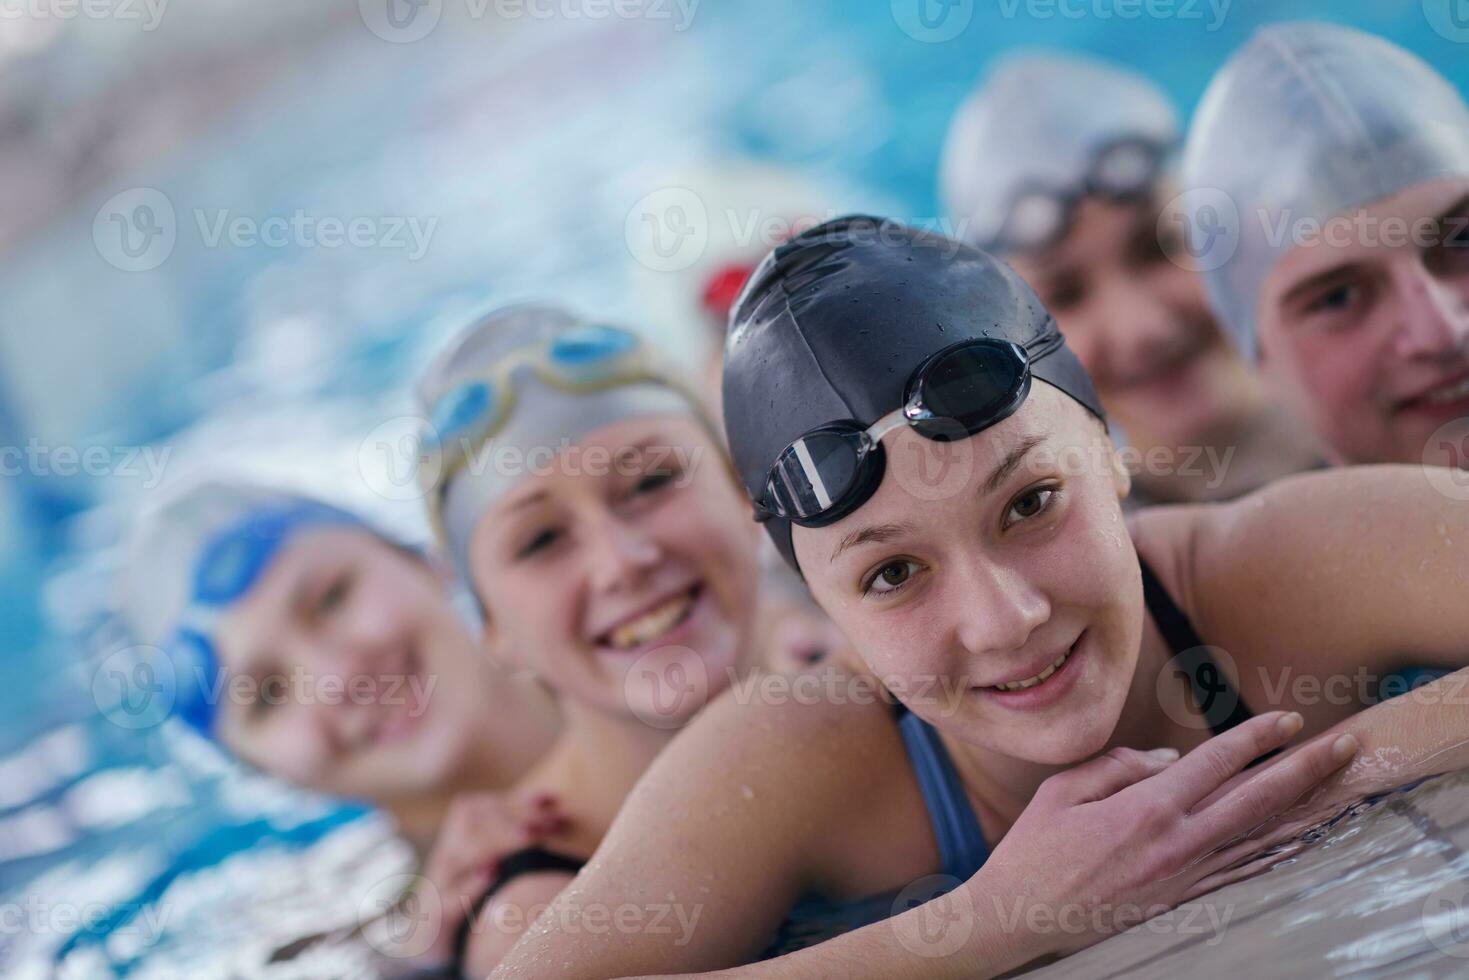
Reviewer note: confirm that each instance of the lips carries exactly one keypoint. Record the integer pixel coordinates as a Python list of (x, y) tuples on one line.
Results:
[(1450, 393), (652, 622), (395, 715), (1036, 679)]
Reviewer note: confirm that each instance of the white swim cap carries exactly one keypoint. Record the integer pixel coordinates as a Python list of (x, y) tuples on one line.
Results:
[(1040, 132), (520, 386), (1307, 121)]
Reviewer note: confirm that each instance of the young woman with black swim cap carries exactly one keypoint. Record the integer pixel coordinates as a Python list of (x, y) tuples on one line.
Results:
[(1038, 643)]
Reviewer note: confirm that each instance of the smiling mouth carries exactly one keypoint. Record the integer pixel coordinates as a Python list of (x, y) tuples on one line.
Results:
[(1038, 679), (1447, 394), (656, 622)]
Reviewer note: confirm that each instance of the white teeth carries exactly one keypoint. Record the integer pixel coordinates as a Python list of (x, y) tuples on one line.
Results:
[(1443, 396), (1033, 681), (651, 624)]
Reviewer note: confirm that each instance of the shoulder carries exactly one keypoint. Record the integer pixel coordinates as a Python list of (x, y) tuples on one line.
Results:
[(817, 732)]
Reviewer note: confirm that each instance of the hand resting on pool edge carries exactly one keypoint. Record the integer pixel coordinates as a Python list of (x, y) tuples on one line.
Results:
[(1123, 831)]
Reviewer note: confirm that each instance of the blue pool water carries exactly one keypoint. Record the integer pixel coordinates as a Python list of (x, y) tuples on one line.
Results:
[(528, 143)]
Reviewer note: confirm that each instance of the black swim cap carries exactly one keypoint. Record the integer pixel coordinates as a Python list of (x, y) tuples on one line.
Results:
[(833, 322)]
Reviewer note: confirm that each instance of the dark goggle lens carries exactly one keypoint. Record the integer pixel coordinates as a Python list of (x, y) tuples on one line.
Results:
[(816, 472), (972, 386)]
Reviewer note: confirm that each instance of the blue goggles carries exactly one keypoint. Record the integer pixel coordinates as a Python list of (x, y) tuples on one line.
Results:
[(578, 360), (228, 566)]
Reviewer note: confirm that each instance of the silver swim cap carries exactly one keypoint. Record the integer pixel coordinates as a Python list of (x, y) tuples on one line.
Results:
[(519, 387), (1306, 121), (1042, 131)]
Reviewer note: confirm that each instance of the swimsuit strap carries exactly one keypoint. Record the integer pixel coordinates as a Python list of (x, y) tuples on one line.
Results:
[(1216, 697), (956, 831), (527, 860)]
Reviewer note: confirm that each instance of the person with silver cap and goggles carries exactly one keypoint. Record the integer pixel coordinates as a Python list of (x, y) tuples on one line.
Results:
[(1328, 211), (587, 500), (321, 649), (1040, 644), (1060, 164)]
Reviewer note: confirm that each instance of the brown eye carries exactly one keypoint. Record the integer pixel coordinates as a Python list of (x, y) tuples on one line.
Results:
[(538, 542), (890, 578), (1029, 504), (335, 595)]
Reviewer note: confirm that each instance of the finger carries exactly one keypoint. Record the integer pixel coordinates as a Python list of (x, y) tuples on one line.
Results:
[(1109, 773), (1215, 762), (1270, 792), (1240, 872)]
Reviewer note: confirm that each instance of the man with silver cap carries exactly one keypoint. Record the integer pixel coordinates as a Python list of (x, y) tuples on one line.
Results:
[(1328, 210), (1059, 164)]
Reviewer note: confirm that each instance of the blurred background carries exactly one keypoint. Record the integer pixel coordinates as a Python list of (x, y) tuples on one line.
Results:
[(172, 291)]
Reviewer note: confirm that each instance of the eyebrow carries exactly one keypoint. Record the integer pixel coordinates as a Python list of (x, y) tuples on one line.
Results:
[(1457, 209), (880, 533), (1009, 464), (527, 500), (872, 534)]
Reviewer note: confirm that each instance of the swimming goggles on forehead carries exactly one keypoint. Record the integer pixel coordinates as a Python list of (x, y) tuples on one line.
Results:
[(228, 566), (963, 389), (1121, 170), (576, 361)]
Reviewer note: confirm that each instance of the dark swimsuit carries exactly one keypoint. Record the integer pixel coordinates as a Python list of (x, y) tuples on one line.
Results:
[(956, 831), (526, 861)]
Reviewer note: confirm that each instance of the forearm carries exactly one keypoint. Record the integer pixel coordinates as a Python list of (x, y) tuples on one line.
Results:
[(1422, 733), (962, 935)]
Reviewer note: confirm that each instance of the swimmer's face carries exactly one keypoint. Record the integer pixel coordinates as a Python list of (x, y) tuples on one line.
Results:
[(1140, 324), (1367, 331), (353, 674), (1024, 562), (627, 584)]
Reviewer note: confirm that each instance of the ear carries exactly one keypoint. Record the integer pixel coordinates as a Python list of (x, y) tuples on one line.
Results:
[(1121, 476), (493, 644)]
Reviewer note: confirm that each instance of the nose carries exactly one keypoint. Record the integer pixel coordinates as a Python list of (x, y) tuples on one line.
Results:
[(1134, 326), (325, 682), (620, 553), (1433, 316), (999, 609)]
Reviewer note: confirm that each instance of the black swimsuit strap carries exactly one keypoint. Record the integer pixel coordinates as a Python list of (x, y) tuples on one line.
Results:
[(527, 860), (1216, 697)]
